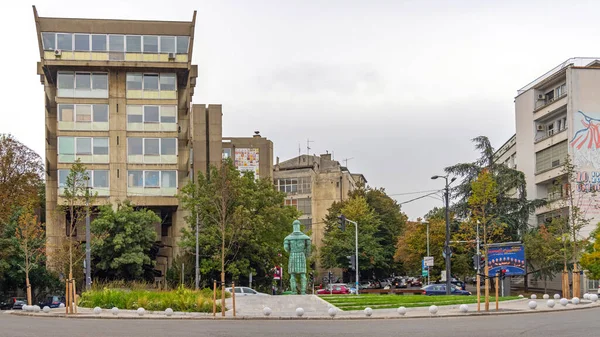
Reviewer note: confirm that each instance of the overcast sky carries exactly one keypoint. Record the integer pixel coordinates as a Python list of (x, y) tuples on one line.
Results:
[(399, 86)]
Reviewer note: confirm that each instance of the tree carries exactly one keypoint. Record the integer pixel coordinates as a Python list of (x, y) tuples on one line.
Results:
[(21, 172), (243, 222), (412, 245), (31, 239), (543, 252), (122, 241), (590, 260), (338, 244)]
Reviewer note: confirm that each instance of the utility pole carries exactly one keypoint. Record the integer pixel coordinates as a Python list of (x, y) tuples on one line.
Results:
[(343, 219), (447, 250)]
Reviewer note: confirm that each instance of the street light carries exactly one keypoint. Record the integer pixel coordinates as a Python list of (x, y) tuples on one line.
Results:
[(343, 220), (447, 243)]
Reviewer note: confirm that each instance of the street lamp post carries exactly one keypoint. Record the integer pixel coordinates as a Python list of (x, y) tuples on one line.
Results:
[(427, 224), (447, 251), (342, 219)]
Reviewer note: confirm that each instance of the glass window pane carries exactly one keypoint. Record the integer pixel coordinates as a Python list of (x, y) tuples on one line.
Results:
[(83, 113), (66, 145), (116, 43), (151, 178), (62, 178), (65, 112), (49, 41), (151, 114), (134, 81), (134, 146), (135, 178), (150, 44), (100, 178), (134, 114), (134, 44), (100, 145), (83, 81), (151, 146), (182, 44), (100, 113), (64, 41), (168, 179), (83, 146), (168, 146), (65, 81), (100, 81), (82, 42), (167, 82), (168, 114), (167, 44), (150, 82), (98, 42)]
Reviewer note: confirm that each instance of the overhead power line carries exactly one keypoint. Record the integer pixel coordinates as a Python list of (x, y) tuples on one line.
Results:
[(421, 197)]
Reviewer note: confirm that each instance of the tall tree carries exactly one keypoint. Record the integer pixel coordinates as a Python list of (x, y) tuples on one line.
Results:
[(412, 245), (31, 239), (118, 254), (543, 252), (590, 260)]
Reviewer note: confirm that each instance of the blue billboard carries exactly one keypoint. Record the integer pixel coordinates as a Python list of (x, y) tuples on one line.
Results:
[(509, 258)]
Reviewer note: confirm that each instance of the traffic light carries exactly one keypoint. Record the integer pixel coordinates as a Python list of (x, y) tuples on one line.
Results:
[(478, 262), (351, 262), (330, 276), (342, 222)]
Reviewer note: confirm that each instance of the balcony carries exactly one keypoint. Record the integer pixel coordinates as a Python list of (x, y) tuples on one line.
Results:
[(551, 139), (547, 106)]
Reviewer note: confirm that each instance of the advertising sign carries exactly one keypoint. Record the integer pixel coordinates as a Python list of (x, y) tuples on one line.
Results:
[(424, 269), (507, 257), (247, 160), (428, 261)]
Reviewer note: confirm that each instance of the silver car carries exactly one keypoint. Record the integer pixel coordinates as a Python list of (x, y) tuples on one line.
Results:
[(245, 291)]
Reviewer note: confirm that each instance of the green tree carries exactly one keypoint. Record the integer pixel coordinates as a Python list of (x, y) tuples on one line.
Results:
[(412, 245), (30, 237), (543, 250), (590, 260), (338, 244), (122, 241)]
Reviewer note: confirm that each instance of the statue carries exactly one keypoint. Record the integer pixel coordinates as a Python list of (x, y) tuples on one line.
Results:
[(298, 245)]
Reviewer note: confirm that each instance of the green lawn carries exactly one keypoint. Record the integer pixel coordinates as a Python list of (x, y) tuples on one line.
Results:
[(352, 302)]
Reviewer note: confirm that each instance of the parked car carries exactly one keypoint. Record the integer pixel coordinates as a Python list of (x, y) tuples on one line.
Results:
[(416, 283), (335, 289), (440, 289), (18, 305), (10, 302), (52, 301), (245, 291)]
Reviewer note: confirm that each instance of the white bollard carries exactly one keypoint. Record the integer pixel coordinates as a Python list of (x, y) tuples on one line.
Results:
[(556, 296), (532, 305), (368, 312), (169, 312), (533, 296), (575, 300), (332, 312), (115, 311), (521, 296), (463, 308), (267, 311), (299, 312), (401, 311), (36, 308), (564, 302), (546, 296), (550, 304), (46, 309), (62, 305), (586, 296), (433, 309), (593, 297), (97, 311)]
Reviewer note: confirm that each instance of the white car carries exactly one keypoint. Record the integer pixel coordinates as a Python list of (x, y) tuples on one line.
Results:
[(245, 291)]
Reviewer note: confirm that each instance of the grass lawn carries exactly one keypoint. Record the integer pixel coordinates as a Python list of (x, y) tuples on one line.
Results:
[(352, 302)]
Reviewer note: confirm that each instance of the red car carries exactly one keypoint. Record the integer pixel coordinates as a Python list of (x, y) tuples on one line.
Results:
[(335, 289)]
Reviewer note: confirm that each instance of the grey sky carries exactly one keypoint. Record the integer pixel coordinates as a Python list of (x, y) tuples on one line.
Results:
[(400, 86)]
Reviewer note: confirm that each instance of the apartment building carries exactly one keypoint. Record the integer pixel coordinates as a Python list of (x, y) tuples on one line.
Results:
[(558, 114), (312, 184), (118, 97)]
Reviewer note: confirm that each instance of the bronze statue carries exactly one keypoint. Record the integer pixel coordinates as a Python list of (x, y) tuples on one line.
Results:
[(298, 245)]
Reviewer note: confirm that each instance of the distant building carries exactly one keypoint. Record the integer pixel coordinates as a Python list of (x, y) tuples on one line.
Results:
[(312, 184)]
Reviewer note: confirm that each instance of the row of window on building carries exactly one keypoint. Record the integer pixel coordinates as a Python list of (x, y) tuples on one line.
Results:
[(99, 179), (71, 114), (71, 147), (147, 44), (95, 85), (294, 185)]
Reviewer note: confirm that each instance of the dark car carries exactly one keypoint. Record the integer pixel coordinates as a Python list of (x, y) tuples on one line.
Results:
[(52, 302), (10, 302), (440, 289), (18, 304)]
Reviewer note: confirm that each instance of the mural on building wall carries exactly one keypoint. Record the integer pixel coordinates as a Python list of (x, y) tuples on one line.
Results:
[(585, 145), (247, 160)]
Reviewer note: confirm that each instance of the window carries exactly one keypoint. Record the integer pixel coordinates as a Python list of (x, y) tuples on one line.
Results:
[(135, 146), (151, 114), (168, 82), (551, 157), (64, 41), (66, 81), (100, 81), (100, 178), (134, 44), (182, 44), (62, 178), (168, 179), (135, 179), (168, 146), (305, 206), (66, 145), (152, 146), (549, 96), (116, 43), (168, 114), (82, 42), (151, 82), (66, 112), (295, 185), (291, 202), (307, 224), (100, 112), (83, 113), (100, 146), (151, 178), (134, 81), (49, 41), (167, 44), (150, 44), (83, 146), (99, 42), (550, 128), (83, 81), (226, 153), (134, 114)]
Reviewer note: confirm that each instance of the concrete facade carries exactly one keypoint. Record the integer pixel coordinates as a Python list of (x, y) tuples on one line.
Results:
[(312, 184)]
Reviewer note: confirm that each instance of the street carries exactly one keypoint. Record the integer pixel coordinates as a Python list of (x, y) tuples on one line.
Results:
[(566, 323)]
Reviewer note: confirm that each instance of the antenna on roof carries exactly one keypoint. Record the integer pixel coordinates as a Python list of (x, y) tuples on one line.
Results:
[(346, 161), (308, 148)]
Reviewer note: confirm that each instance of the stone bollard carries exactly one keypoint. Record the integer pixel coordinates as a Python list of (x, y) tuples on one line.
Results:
[(532, 305), (546, 296), (368, 312), (97, 311), (401, 311), (267, 311), (46, 309), (141, 311), (169, 312), (550, 304), (564, 302), (556, 296), (114, 311), (433, 309), (533, 296), (463, 308), (575, 300), (332, 312), (593, 298), (299, 312)]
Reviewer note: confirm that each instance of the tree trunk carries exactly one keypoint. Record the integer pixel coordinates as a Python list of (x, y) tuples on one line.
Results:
[(28, 285), (545, 284)]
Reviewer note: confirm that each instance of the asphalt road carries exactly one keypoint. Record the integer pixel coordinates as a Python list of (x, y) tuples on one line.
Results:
[(579, 323)]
